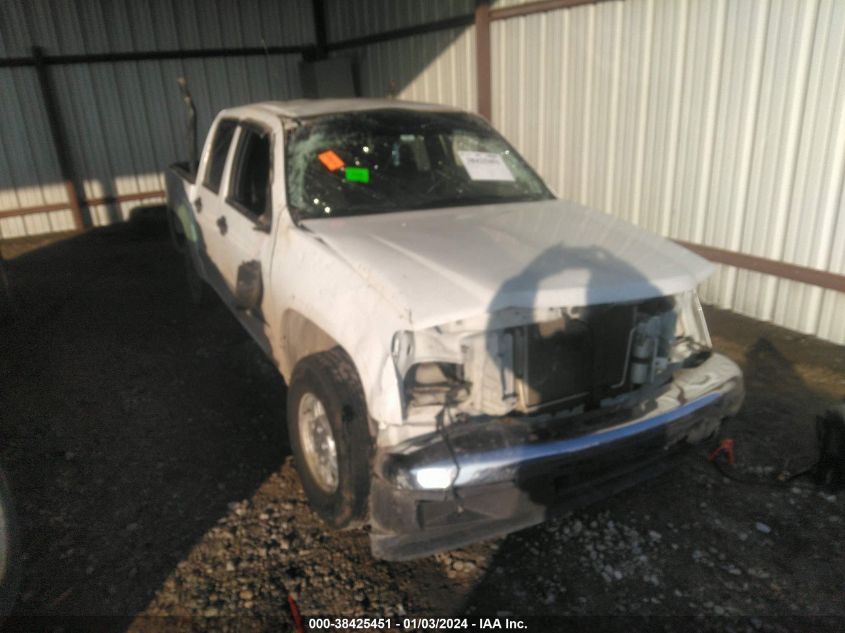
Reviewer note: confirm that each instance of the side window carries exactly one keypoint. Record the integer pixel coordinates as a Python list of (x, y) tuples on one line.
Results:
[(219, 150), (250, 187)]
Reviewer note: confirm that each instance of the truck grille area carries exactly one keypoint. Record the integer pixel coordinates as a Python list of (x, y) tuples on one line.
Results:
[(580, 359)]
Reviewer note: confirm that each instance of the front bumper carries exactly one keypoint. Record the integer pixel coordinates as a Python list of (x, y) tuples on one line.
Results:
[(488, 477)]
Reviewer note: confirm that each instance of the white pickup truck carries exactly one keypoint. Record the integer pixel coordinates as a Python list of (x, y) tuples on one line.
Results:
[(466, 355)]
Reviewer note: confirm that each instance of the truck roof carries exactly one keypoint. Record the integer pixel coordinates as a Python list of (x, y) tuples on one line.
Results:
[(304, 108)]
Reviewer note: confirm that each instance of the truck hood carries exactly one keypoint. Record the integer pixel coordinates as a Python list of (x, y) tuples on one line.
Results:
[(438, 266)]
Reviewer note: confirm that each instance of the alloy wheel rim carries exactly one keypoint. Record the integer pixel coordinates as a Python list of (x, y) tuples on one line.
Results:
[(317, 441)]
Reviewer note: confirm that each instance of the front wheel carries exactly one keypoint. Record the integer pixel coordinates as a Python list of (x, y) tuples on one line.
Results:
[(330, 437)]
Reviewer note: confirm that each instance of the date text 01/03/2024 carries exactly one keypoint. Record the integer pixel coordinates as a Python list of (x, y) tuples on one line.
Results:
[(384, 624)]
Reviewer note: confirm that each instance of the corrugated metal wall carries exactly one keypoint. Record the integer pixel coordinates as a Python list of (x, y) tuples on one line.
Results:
[(125, 120), (436, 67), (351, 19), (719, 122)]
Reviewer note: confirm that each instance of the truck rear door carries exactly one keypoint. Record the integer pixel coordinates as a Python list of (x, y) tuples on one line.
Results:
[(208, 203)]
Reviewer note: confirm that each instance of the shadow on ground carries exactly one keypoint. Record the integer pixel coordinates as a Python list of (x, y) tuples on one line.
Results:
[(129, 419)]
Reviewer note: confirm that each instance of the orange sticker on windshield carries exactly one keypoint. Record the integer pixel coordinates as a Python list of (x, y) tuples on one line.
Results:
[(332, 161)]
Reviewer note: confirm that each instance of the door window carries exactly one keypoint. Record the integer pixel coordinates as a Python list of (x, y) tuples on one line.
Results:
[(219, 150), (249, 190)]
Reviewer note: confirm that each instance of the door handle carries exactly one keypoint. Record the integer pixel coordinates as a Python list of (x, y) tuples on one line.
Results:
[(221, 224), (198, 205)]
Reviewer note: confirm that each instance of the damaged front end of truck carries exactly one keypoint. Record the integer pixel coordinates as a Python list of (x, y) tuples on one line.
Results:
[(514, 416)]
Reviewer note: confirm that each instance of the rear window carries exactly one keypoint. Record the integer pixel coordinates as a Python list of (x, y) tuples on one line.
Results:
[(219, 150)]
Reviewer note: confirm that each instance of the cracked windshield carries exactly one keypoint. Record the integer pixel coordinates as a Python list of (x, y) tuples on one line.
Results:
[(394, 160)]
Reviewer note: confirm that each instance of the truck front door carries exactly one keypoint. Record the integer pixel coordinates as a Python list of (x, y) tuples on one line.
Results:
[(244, 225)]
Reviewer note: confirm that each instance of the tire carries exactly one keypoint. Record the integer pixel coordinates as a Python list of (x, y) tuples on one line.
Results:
[(330, 378), (198, 291), (9, 549)]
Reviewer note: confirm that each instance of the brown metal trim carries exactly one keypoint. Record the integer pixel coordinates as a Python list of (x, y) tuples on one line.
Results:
[(64, 206), (44, 208), (126, 197), (793, 272), (484, 78), (537, 7)]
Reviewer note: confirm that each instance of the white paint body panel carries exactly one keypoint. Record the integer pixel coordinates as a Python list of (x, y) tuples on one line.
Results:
[(443, 265)]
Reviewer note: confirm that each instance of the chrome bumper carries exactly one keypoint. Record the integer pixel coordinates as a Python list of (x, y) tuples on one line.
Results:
[(487, 477)]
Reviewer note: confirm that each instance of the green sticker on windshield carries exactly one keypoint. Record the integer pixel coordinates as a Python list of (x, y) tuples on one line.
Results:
[(357, 174)]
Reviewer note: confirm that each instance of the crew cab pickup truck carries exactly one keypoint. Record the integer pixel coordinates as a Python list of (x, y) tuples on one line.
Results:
[(465, 354)]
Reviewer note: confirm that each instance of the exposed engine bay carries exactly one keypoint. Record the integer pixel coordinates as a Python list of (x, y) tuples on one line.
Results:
[(572, 361)]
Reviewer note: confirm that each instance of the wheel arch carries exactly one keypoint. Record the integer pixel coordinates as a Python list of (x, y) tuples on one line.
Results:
[(300, 338)]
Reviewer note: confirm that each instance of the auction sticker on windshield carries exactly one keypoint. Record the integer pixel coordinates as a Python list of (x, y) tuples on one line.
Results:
[(357, 174), (332, 161), (485, 166)]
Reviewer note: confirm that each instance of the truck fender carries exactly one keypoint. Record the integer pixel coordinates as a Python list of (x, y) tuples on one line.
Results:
[(301, 337)]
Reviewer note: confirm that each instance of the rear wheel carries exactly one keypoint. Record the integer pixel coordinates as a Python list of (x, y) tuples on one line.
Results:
[(330, 437)]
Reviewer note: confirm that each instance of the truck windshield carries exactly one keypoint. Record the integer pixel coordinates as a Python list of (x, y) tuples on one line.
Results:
[(393, 160)]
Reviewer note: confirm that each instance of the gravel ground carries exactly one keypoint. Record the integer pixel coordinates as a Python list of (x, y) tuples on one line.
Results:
[(146, 444)]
